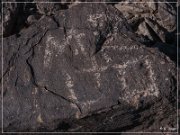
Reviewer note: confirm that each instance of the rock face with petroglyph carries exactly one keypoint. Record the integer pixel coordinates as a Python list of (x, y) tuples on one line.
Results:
[(71, 66)]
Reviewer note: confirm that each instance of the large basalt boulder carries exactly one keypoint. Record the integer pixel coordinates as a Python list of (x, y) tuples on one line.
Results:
[(79, 63)]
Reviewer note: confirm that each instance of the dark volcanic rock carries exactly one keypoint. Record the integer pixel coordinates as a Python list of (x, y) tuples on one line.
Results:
[(151, 19), (15, 16), (65, 70), (155, 22), (49, 8), (54, 5), (10, 11)]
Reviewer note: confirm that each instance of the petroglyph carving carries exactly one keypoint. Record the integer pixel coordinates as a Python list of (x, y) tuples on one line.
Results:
[(54, 47), (96, 20)]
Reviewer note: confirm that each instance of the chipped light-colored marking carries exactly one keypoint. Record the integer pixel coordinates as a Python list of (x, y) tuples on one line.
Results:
[(48, 53), (34, 91), (93, 19), (90, 102), (87, 104), (135, 96), (124, 84), (95, 67), (107, 58), (118, 66), (97, 76), (153, 87), (132, 61), (96, 33), (122, 48), (76, 52), (47, 57), (73, 106), (69, 81), (77, 36), (26, 76), (53, 46), (73, 95), (96, 70), (125, 64), (108, 41), (94, 63), (39, 119), (62, 45), (100, 69), (78, 113), (78, 39), (35, 101), (70, 84), (162, 62), (103, 68)]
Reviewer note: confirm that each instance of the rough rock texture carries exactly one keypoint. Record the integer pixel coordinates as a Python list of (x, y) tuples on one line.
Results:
[(15, 16), (25, 14), (51, 8), (10, 11), (153, 20), (77, 71)]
